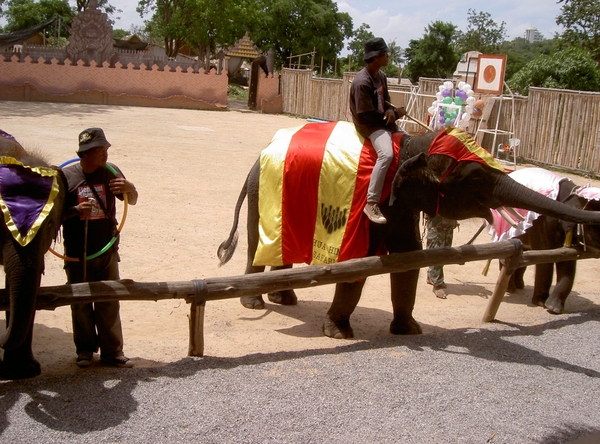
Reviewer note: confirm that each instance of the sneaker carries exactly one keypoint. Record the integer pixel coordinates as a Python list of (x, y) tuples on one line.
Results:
[(84, 359), (372, 211), (119, 361)]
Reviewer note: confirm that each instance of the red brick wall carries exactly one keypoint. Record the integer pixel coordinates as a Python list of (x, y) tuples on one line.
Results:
[(126, 84)]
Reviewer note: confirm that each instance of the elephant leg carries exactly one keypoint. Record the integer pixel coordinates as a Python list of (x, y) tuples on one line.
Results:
[(23, 271), (404, 290), (19, 363), (284, 297), (515, 281), (565, 277), (543, 281), (345, 300), (253, 302)]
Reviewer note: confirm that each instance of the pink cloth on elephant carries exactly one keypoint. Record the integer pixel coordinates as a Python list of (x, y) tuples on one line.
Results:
[(537, 179)]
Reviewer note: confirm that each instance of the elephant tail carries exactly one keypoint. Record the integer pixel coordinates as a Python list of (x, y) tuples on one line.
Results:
[(227, 248)]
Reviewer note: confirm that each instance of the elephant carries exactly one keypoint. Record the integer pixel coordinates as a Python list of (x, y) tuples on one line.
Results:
[(25, 178), (444, 172), (543, 232)]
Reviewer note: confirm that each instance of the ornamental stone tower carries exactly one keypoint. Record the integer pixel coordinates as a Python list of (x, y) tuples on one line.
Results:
[(91, 36)]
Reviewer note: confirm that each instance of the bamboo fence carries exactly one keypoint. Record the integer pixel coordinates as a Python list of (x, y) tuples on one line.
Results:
[(556, 128)]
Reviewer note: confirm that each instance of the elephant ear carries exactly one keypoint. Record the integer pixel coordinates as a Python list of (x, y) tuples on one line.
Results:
[(413, 171)]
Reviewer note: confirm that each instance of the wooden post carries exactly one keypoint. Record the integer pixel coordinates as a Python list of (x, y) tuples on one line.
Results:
[(494, 303), (196, 345)]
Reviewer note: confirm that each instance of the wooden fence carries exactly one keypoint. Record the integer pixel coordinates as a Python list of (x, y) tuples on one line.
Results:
[(197, 292), (557, 128)]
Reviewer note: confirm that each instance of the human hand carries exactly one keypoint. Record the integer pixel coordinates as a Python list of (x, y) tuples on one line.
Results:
[(401, 112), (84, 209), (389, 116), (121, 185)]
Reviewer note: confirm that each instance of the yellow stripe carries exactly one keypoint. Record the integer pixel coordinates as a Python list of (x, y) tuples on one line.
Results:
[(475, 148), (8, 220), (272, 163), (336, 190)]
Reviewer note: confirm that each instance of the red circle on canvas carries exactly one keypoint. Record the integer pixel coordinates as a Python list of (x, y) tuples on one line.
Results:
[(489, 74)]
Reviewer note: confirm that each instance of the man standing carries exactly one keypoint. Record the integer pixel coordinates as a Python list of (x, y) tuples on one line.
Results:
[(375, 118), (439, 235), (89, 228)]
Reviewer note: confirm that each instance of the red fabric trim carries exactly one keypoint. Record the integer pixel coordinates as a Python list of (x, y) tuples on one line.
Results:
[(356, 237), (299, 214)]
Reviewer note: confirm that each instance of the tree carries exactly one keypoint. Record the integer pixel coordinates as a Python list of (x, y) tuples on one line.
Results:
[(572, 68), (300, 26), (434, 54), (581, 20), (483, 34), (395, 61), (23, 14), (172, 19), (103, 5), (356, 46), (520, 51)]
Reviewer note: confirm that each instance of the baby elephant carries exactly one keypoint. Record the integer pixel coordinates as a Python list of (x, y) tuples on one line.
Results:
[(538, 232)]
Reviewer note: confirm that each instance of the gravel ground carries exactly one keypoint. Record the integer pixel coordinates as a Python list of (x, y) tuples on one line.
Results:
[(501, 384)]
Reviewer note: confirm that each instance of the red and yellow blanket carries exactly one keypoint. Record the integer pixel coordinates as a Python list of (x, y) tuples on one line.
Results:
[(313, 187)]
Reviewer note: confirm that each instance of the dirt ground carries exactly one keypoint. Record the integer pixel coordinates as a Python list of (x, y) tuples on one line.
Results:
[(189, 167)]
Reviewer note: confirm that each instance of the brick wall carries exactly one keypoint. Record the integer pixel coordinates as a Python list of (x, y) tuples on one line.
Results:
[(51, 80)]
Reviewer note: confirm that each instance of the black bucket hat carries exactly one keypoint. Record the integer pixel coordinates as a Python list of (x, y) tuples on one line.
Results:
[(91, 138), (375, 47)]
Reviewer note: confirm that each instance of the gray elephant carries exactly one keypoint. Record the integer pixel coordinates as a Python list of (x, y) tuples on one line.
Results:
[(540, 232), (444, 173), (33, 195)]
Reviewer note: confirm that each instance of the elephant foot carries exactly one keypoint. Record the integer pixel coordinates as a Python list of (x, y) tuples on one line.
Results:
[(519, 283), (539, 300), (286, 297), (15, 367), (337, 330), (405, 327), (512, 288), (253, 302), (555, 306)]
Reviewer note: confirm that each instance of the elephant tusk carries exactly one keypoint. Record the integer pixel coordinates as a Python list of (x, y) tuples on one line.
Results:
[(515, 213), (506, 217)]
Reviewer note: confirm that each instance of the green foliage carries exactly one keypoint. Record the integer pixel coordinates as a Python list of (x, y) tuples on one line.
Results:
[(301, 26), (572, 68), (433, 55), (103, 5), (23, 14), (356, 46), (483, 34), (119, 33), (237, 92), (520, 51), (581, 20)]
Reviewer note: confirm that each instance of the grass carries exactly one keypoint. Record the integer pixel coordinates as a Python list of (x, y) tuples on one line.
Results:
[(237, 92)]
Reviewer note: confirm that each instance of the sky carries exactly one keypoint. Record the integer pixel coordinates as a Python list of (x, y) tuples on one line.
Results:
[(402, 20)]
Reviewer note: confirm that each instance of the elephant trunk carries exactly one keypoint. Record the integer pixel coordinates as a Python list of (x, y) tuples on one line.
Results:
[(22, 283), (509, 192)]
